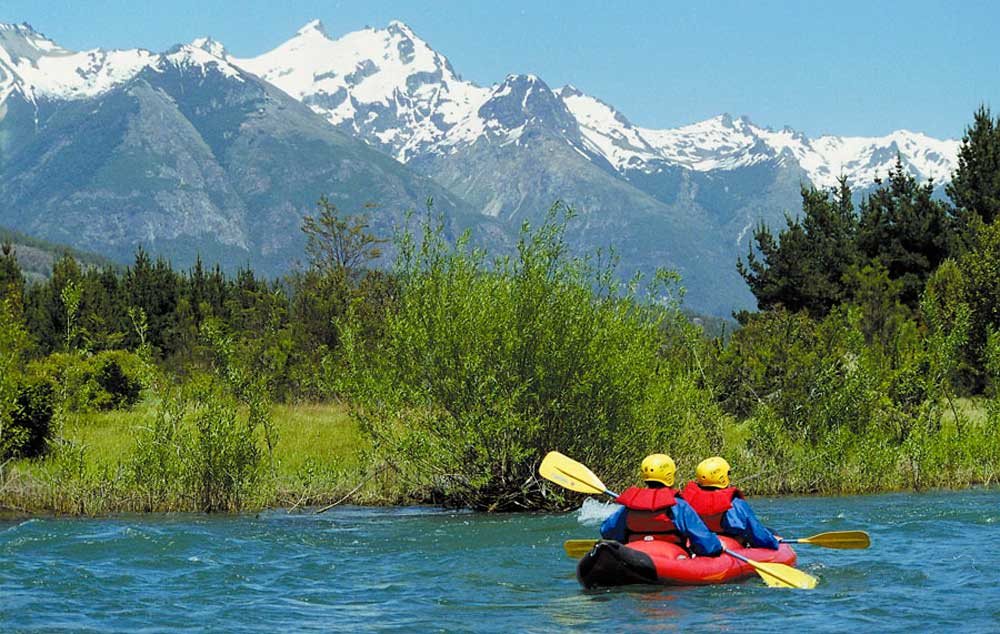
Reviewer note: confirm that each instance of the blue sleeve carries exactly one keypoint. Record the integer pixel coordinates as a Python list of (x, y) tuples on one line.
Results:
[(613, 526), (703, 541), (740, 520)]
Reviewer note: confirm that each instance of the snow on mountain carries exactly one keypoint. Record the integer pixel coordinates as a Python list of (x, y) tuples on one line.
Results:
[(725, 143), (863, 159), (37, 67), (390, 88), (211, 46), (514, 109), (385, 85), (606, 130)]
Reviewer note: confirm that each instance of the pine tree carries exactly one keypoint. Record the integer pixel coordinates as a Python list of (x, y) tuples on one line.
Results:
[(804, 267), (46, 314), (153, 288), (11, 279), (904, 229), (975, 185)]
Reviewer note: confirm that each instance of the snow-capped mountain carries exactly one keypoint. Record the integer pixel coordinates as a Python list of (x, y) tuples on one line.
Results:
[(387, 86), (391, 88), (181, 152), (725, 143), (38, 68), (107, 149)]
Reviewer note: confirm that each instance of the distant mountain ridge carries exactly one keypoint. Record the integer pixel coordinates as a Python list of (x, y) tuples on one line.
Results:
[(196, 150), (36, 257), (393, 89), (181, 152)]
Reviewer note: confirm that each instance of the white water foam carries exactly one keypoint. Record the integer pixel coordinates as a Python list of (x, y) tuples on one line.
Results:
[(592, 513)]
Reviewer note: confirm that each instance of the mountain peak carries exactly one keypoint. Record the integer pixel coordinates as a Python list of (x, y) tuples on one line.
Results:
[(400, 28), (210, 46), (525, 99), (192, 55), (569, 90), (23, 41), (23, 27), (313, 28), (522, 78)]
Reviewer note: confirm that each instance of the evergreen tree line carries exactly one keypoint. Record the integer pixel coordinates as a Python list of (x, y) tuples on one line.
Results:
[(882, 256), (296, 312), (70, 341)]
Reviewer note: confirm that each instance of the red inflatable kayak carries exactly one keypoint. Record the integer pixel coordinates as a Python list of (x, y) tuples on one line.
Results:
[(658, 562)]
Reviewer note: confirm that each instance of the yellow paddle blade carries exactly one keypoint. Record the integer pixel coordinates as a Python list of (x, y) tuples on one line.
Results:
[(839, 539), (782, 576), (779, 575), (576, 548), (570, 474)]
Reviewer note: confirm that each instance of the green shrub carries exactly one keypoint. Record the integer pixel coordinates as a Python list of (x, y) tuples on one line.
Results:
[(484, 367), (28, 431), (117, 373), (223, 461), (198, 448), (106, 380)]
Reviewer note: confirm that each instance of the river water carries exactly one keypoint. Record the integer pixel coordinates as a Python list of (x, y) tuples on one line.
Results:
[(934, 565)]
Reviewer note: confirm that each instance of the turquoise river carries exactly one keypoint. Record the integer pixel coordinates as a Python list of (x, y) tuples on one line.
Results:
[(934, 565)]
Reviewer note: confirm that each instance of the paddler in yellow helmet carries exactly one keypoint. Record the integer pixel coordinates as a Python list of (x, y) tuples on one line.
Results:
[(655, 512), (722, 506)]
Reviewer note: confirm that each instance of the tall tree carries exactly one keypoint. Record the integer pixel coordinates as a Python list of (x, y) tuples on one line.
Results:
[(337, 243), (906, 230), (46, 312), (153, 288), (11, 278), (975, 185), (804, 268), (980, 281)]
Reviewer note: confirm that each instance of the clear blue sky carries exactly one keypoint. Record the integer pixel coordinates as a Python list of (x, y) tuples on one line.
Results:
[(843, 67)]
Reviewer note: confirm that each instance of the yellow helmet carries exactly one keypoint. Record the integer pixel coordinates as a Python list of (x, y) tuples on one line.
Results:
[(713, 472), (658, 467)]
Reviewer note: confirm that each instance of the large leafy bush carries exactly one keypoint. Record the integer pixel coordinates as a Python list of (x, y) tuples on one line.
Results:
[(485, 366)]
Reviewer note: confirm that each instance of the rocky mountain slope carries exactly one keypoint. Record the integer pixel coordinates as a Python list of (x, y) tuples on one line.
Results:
[(181, 152), (195, 148)]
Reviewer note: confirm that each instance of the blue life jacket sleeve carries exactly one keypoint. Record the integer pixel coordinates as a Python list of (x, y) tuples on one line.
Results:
[(703, 541), (740, 520), (613, 526)]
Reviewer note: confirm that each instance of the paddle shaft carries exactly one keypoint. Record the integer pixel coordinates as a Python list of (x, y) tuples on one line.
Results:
[(856, 540), (737, 556)]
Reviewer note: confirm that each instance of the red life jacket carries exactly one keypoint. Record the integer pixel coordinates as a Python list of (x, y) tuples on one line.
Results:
[(710, 504), (648, 514)]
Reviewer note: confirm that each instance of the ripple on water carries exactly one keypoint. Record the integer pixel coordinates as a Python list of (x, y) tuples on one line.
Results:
[(414, 570)]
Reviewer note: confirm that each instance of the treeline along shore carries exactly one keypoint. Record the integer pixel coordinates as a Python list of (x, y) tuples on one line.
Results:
[(871, 364)]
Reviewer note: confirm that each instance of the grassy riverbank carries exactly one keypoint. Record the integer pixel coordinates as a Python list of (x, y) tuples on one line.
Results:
[(317, 460), (321, 457)]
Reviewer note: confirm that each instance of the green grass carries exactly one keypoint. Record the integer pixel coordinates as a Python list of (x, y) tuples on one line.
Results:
[(315, 433), (321, 457), (973, 410), (318, 458), (321, 433), (106, 437)]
